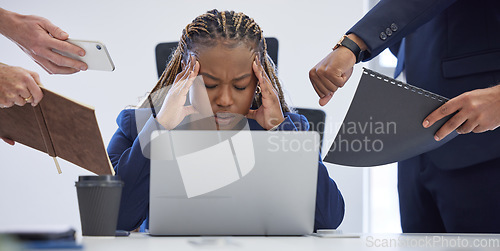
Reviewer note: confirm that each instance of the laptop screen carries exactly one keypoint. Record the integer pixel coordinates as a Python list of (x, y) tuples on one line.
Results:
[(233, 182)]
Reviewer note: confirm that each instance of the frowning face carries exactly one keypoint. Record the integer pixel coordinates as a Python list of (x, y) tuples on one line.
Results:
[(229, 83)]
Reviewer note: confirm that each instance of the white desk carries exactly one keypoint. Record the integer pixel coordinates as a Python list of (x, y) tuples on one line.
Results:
[(144, 242)]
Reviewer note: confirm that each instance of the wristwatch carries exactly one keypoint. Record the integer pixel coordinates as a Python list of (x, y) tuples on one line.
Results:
[(351, 45)]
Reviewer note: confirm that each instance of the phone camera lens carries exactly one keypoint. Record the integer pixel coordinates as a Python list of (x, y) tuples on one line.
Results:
[(98, 47)]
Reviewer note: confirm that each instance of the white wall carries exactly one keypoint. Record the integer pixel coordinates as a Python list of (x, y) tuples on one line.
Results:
[(31, 191)]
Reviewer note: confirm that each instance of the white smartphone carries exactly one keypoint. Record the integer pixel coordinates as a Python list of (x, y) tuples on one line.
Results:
[(96, 55)]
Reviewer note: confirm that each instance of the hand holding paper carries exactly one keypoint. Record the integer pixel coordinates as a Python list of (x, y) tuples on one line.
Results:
[(48, 128), (384, 123), (476, 111), (18, 86)]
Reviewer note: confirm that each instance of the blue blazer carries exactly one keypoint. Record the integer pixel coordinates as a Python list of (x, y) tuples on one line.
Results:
[(133, 167), (452, 46)]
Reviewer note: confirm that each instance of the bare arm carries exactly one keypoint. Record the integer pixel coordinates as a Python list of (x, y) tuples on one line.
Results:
[(37, 36)]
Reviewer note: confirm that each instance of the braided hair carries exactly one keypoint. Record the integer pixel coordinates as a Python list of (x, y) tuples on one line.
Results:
[(207, 30)]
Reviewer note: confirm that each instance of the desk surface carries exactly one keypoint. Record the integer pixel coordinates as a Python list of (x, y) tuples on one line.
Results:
[(144, 242)]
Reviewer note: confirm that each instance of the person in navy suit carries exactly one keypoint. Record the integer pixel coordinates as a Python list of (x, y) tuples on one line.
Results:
[(228, 51), (452, 48)]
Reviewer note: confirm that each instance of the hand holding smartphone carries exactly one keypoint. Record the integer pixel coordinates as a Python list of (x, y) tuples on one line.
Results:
[(96, 55)]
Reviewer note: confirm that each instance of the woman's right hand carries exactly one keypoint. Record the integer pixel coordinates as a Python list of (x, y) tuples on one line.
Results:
[(173, 110)]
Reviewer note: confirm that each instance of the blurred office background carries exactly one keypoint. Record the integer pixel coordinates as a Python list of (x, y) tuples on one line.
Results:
[(31, 191)]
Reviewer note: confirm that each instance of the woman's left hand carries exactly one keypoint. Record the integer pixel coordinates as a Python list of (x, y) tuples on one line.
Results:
[(269, 114)]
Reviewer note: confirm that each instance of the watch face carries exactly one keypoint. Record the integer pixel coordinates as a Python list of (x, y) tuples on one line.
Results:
[(340, 42)]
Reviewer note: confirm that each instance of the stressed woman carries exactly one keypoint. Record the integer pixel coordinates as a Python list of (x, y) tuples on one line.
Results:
[(222, 67)]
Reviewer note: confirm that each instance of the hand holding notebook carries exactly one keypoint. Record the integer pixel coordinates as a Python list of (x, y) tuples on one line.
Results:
[(59, 127), (384, 123)]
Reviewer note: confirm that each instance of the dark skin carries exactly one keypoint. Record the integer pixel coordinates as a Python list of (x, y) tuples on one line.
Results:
[(477, 111), (334, 70), (230, 77)]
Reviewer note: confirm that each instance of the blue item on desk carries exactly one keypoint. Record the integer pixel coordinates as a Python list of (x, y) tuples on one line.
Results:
[(49, 238), (122, 233), (44, 235), (52, 244)]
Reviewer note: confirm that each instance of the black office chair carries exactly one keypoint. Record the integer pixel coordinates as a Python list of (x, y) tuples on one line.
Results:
[(315, 117), (164, 50)]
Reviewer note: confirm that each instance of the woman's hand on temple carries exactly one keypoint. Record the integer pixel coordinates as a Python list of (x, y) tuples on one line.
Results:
[(269, 114), (173, 110)]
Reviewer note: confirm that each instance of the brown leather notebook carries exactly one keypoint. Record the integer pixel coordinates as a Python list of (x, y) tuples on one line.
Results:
[(59, 127)]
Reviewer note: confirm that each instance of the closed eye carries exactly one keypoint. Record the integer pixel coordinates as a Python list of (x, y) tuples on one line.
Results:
[(240, 81), (210, 86)]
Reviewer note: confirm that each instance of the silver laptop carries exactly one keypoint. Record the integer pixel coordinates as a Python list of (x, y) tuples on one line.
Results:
[(233, 182)]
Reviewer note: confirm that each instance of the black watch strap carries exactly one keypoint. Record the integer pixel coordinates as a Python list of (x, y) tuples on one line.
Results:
[(352, 46)]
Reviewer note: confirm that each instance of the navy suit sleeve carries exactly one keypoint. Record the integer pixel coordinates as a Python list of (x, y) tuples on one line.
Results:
[(329, 201), (130, 164), (406, 15)]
